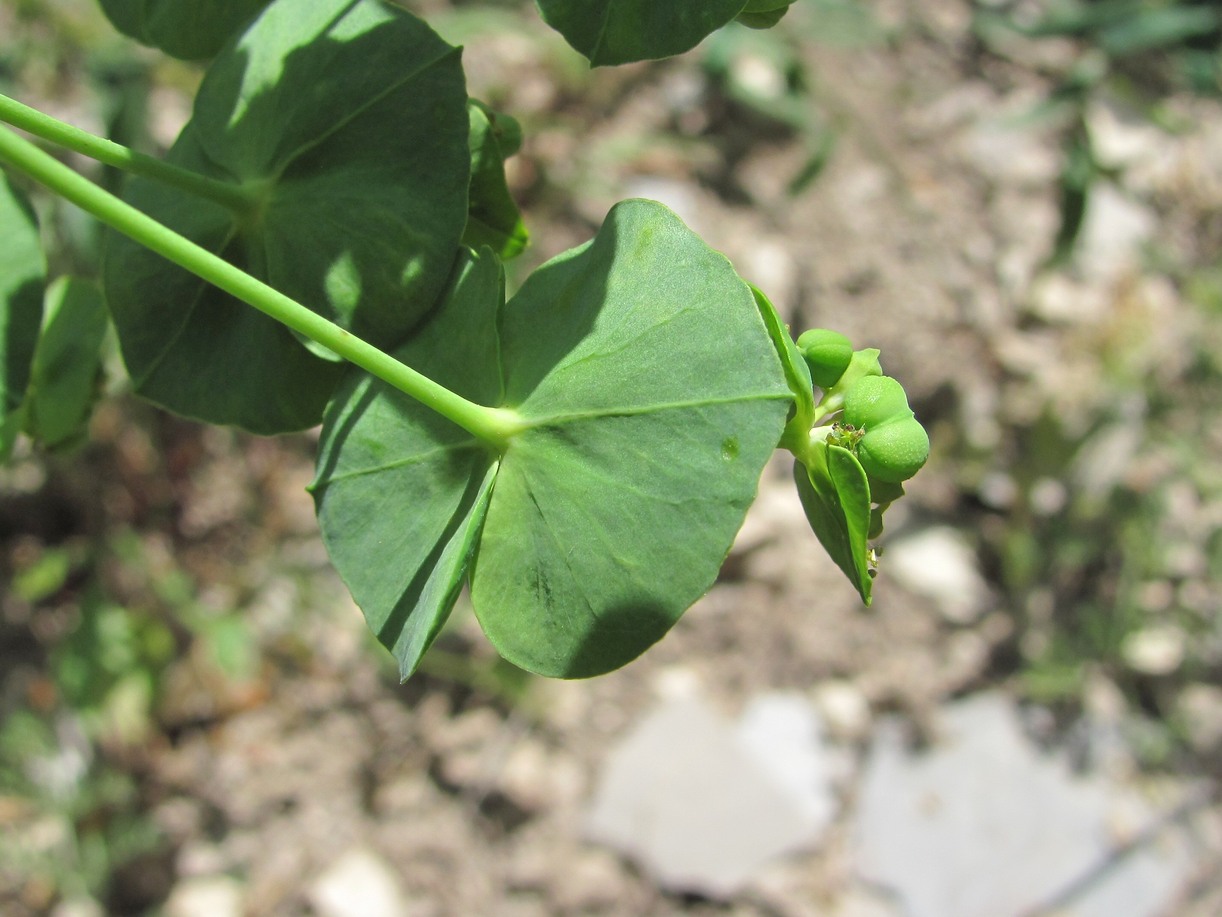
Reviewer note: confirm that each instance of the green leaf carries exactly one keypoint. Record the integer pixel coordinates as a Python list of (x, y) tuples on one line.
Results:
[(621, 31), (493, 218), (188, 29), (346, 121), (651, 397), (836, 497), (67, 364), (400, 491), (22, 277)]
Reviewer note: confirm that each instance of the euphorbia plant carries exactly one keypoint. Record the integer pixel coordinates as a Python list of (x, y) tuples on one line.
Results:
[(581, 454)]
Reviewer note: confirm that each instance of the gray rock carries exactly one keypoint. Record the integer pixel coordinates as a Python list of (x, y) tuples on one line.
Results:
[(685, 794), (985, 825)]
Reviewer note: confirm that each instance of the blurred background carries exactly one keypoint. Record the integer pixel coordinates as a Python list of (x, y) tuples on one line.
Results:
[(1018, 201)]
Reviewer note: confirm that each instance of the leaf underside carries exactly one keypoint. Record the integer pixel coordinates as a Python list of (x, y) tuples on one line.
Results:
[(350, 118), (652, 398)]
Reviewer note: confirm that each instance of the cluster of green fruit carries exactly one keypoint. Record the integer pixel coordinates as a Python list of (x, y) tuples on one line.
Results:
[(877, 424)]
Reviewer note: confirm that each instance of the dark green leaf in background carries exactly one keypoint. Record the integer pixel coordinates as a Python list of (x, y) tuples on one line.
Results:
[(188, 29), (347, 120), (621, 31), (67, 364), (763, 14), (22, 277), (493, 218), (651, 396)]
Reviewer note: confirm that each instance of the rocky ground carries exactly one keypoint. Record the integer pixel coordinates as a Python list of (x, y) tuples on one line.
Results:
[(1025, 722)]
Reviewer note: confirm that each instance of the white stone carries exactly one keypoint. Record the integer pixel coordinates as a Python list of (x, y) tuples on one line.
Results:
[(1113, 232), (1006, 151), (1155, 650), (986, 825), (206, 896), (78, 907), (939, 564), (1121, 139), (844, 708), (1200, 709), (785, 735), (688, 799), (358, 884)]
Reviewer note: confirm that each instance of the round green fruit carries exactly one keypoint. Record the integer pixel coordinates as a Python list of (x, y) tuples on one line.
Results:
[(827, 353), (895, 451), (873, 401)]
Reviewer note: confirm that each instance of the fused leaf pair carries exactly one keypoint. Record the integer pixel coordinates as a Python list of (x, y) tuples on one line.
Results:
[(642, 438)]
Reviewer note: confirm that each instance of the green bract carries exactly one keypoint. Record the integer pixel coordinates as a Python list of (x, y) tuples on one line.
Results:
[(190, 29), (620, 31), (835, 494), (797, 375), (493, 218), (827, 353), (588, 534), (345, 124), (22, 276)]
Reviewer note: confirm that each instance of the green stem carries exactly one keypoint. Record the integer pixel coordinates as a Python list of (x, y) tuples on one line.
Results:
[(227, 194), (495, 426)]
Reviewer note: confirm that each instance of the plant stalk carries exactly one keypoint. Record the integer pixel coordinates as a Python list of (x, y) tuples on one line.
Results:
[(42, 125), (495, 426)]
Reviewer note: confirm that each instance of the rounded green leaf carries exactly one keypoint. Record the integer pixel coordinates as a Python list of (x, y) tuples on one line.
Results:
[(653, 397), (346, 123), (22, 277), (621, 31), (642, 441), (188, 29)]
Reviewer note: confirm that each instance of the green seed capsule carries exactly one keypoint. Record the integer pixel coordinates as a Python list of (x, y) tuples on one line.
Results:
[(894, 451), (873, 401), (827, 353)]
